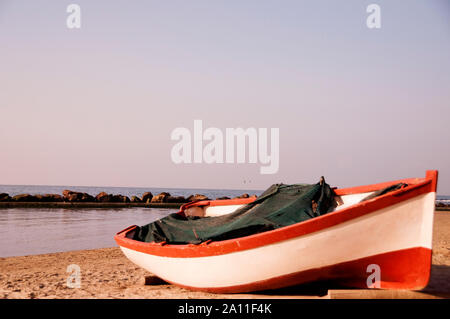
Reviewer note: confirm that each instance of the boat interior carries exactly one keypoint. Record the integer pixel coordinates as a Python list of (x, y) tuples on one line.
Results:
[(344, 198), (343, 201)]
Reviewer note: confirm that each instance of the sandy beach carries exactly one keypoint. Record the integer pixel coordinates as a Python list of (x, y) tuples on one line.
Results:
[(107, 273)]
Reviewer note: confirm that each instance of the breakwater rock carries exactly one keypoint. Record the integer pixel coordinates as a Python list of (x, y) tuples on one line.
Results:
[(69, 196), (5, 197)]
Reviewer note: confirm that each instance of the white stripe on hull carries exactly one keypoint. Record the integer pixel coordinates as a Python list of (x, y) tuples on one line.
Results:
[(405, 225), (212, 211)]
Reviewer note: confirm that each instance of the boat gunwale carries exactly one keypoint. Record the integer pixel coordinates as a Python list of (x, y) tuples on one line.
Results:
[(416, 187)]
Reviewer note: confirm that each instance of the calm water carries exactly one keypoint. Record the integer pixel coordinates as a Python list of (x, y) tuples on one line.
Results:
[(38, 230)]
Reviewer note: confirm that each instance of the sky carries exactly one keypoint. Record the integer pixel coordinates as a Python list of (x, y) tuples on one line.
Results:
[(96, 106)]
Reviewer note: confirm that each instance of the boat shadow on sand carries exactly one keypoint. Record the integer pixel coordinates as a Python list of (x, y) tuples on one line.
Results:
[(438, 287), (439, 283)]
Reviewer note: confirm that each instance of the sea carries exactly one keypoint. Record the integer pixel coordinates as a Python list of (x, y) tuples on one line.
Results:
[(31, 231)]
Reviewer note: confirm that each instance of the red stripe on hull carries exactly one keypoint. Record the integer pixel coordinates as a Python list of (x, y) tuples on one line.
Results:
[(402, 269)]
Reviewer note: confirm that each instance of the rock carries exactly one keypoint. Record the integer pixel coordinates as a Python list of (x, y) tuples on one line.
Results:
[(147, 197), (66, 193), (49, 198), (55, 197), (110, 198), (71, 196), (243, 196), (120, 199), (103, 197), (24, 198), (4, 197), (135, 199), (223, 197), (116, 198), (197, 197), (85, 197), (160, 198), (175, 199)]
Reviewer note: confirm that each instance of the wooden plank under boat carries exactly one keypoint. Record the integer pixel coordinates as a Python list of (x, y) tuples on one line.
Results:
[(392, 231)]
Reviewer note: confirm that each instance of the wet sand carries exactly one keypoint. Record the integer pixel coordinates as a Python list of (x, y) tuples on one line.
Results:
[(107, 273)]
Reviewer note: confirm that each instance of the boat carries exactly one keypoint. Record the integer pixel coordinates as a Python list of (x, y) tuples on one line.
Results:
[(390, 233)]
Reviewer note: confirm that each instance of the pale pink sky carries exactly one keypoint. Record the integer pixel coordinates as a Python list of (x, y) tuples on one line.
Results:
[(96, 106)]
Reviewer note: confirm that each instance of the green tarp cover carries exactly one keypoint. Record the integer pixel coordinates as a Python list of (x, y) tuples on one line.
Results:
[(279, 206)]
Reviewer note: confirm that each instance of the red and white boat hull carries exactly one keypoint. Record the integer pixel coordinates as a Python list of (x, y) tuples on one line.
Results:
[(392, 233)]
